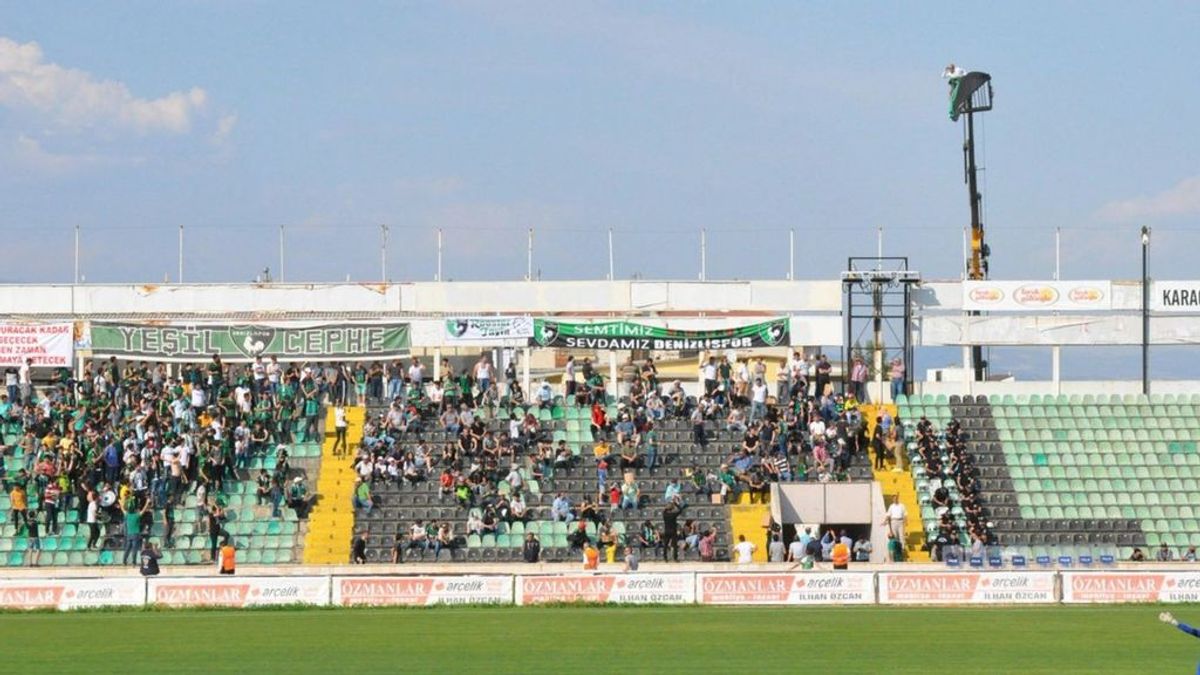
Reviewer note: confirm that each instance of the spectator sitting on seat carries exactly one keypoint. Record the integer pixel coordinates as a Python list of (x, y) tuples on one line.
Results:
[(560, 509), (545, 395), (699, 480), (672, 490), (446, 483), (589, 511), (474, 523), (450, 421), (298, 498), (708, 545), (678, 399), (626, 430), (630, 494), (563, 457), (655, 408), (490, 522), (648, 537), (517, 511), (740, 461), (757, 486), (1137, 555), (630, 458), (599, 422), (735, 421), (516, 481), (445, 540), (1164, 553), (579, 536), (1190, 555), (418, 537), (262, 491)]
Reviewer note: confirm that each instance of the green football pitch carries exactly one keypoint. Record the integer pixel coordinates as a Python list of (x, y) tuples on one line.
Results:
[(1111, 639)]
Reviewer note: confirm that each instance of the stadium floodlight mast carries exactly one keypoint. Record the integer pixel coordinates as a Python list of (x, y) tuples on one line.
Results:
[(970, 93), (1145, 313)]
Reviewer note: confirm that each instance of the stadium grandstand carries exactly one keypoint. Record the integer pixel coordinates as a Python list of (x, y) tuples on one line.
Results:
[(466, 423)]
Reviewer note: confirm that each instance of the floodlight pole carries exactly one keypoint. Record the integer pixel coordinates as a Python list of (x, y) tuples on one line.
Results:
[(1145, 313)]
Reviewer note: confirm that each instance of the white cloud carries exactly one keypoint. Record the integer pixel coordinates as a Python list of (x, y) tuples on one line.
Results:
[(74, 98), (32, 155), (1180, 200), (224, 127)]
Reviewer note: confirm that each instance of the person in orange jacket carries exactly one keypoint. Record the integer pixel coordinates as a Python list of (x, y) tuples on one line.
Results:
[(840, 555), (226, 560)]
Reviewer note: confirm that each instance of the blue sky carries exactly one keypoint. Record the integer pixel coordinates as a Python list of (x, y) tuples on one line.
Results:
[(654, 119)]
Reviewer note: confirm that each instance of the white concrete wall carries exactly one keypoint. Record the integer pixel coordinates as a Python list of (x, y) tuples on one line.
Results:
[(454, 298), (1064, 387)]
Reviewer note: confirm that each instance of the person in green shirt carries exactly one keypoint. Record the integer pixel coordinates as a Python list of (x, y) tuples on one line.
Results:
[(362, 496), (895, 551), (299, 500), (133, 529)]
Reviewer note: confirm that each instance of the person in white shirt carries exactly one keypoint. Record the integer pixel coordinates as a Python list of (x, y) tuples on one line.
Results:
[(897, 515), (745, 550), (569, 377), (339, 426), (953, 72), (24, 379), (795, 550), (274, 374), (709, 373), (260, 373), (758, 400)]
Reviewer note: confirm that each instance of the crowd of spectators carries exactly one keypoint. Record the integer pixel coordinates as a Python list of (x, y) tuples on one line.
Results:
[(488, 444), (125, 443), (955, 499)]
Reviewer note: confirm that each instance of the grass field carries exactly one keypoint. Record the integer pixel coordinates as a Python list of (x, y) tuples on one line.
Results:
[(1111, 639)]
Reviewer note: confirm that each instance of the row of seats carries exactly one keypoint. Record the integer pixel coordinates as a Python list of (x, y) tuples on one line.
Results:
[(1048, 399)]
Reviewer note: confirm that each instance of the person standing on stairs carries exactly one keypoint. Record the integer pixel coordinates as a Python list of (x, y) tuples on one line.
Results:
[(896, 518), (877, 444), (339, 425)]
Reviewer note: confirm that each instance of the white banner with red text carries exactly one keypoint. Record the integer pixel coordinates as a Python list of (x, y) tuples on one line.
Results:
[(72, 593), (639, 588), (1131, 586), (809, 588), (947, 588), (1046, 296), (48, 345), (420, 591), (237, 591)]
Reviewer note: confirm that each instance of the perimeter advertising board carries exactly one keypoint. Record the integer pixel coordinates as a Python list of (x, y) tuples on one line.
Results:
[(947, 588), (846, 588), (72, 593), (1133, 586), (237, 591), (675, 589), (421, 591)]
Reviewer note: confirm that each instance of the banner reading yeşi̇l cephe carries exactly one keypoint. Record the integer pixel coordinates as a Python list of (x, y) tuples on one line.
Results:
[(362, 342), (622, 335)]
